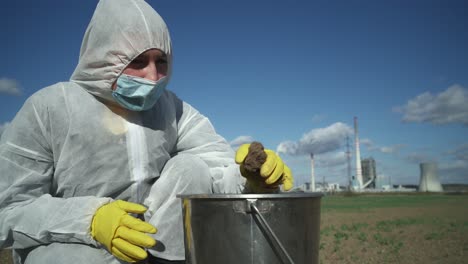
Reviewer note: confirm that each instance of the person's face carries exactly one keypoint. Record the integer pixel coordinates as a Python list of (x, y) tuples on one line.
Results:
[(151, 65)]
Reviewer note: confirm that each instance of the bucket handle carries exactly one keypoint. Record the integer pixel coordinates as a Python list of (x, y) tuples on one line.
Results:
[(266, 227)]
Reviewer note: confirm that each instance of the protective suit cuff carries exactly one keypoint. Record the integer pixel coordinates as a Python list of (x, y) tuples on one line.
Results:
[(228, 180), (89, 219)]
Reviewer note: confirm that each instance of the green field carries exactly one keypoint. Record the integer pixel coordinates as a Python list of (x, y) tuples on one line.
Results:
[(394, 228), (390, 228)]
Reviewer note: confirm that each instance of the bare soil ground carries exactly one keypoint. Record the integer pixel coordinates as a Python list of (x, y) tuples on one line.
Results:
[(412, 229), (389, 229)]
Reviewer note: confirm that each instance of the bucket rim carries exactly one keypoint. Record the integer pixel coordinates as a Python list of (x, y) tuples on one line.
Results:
[(250, 196)]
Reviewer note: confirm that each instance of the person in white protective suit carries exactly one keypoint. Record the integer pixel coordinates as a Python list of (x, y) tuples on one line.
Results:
[(90, 168)]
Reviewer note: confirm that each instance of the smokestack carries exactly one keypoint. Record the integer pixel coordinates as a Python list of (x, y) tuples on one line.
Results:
[(312, 174), (358, 155), (348, 161)]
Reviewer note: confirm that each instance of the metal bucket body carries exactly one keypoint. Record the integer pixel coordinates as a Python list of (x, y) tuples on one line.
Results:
[(225, 229)]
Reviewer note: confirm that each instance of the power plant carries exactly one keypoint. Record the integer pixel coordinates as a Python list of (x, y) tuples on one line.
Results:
[(366, 178)]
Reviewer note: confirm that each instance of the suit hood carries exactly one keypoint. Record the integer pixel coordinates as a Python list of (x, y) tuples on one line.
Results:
[(118, 32)]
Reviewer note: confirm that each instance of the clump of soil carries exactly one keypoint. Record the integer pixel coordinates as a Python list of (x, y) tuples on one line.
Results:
[(255, 158)]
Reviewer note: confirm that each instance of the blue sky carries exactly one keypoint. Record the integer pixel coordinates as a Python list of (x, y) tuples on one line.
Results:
[(291, 74)]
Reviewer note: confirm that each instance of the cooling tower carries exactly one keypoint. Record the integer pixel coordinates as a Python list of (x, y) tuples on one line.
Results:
[(429, 180)]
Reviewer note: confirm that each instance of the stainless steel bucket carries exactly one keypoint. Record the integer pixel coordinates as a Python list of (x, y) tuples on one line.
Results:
[(251, 228)]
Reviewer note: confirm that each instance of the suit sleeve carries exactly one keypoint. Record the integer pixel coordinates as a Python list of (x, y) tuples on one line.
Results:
[(29, 214), (197, 136)]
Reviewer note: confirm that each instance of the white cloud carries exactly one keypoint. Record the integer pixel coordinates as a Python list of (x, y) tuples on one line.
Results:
[(287, 147), (461, 152), (331, 159), (371, 146), (449, 106), (3, 127), (317, 141), (318, 118), (454, 172), (241, 140), (455, 165), (417, 158), (366, 142), (391, 149), (9, 86)]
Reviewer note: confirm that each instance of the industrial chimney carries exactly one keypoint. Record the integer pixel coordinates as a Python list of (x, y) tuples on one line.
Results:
[(312, 174), (358, 156)]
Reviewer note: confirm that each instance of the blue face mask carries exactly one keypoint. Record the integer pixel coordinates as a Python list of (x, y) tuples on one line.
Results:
[(138, 94)]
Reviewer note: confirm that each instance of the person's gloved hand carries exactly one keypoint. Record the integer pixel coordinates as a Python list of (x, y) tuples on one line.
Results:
[(273, 172), (123, 234)]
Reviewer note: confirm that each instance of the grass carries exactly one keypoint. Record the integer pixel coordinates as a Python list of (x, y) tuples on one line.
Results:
[(363, 203), (404, 228)]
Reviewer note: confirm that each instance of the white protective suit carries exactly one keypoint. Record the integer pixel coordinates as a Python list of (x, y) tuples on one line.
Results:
[(71, 149)]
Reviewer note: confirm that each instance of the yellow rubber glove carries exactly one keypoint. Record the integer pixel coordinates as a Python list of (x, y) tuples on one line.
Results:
[(273, 172), (122, 234)]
